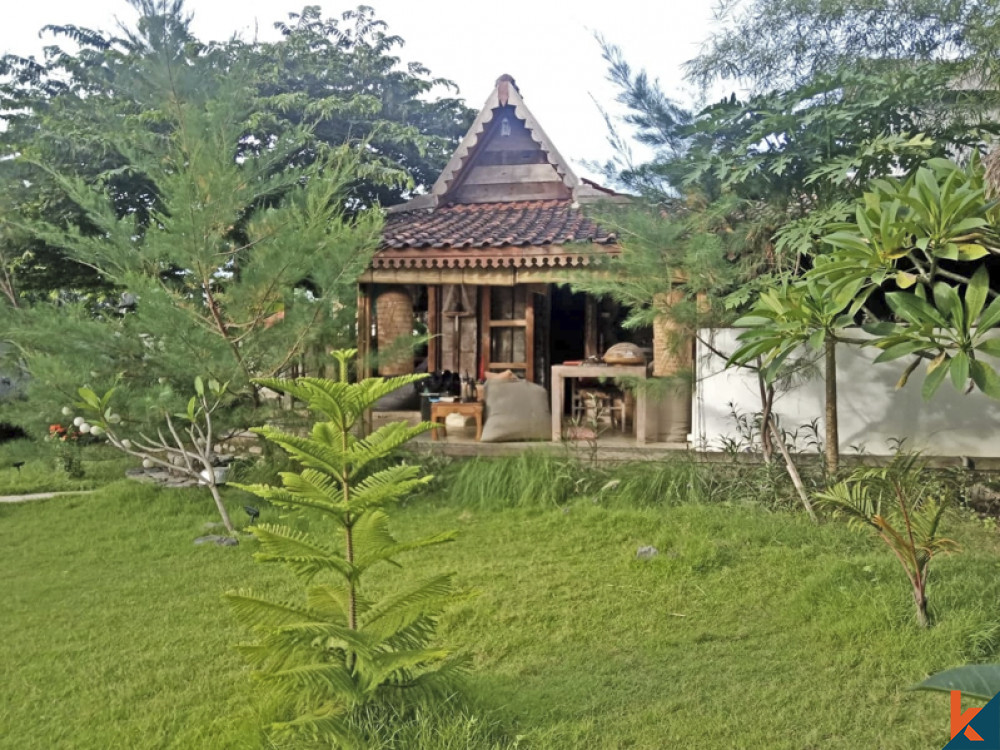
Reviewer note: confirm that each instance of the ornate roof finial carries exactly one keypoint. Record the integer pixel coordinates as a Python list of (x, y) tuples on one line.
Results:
[(504, 83)]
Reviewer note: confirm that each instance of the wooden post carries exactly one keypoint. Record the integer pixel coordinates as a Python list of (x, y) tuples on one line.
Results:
[(590, 328), (364, 331), (484, 329), (434, 328), (529, 335)]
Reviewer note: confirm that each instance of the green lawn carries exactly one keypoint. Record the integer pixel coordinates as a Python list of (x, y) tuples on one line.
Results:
[(751, 629)]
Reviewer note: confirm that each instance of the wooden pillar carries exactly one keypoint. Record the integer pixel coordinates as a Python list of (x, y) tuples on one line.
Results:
[(590, 328), (484, 329), (364, 366), (434, 328)]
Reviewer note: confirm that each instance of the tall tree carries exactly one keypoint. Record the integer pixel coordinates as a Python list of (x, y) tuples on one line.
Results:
[(233, 262), (777, 44), (338, 77)]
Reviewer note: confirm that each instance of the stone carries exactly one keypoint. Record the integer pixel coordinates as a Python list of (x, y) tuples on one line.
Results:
[(222, 541), (646, 553)]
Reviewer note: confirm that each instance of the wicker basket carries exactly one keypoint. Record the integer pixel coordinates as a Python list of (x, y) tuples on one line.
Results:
[(672, 350), (394, 313)]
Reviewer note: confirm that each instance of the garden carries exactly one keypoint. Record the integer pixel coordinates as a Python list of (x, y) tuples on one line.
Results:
[(751, 627)]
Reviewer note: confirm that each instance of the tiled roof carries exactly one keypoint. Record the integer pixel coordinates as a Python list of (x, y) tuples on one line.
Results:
[(492, 225)]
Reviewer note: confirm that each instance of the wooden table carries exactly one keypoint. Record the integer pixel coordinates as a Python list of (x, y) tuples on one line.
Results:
[(560, 373), (441, 409)]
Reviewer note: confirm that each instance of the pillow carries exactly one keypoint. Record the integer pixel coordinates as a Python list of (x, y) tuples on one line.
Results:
[(516, 410), (505, 375)]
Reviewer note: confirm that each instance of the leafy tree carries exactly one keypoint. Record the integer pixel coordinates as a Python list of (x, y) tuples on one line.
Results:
[(234, 264), (338, 649), (904, 510), (781, 167), (339, 79), (919, 246), (785, 320), (342, 77)]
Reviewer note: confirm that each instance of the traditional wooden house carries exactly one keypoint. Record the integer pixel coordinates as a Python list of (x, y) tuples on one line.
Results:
[(482, 261)]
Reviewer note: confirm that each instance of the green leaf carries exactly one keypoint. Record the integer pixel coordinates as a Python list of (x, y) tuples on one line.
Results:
[(976, 293), (89, 397), (990, 347), (914, 310), (905, 280), (900, 350), (985, 378), (974, 681), (971, 251), (933, 381), (990, 316), (199, 385), (959, 369)]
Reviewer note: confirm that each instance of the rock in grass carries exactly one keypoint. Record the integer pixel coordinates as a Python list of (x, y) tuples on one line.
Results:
[(222, 541), (646, 553)]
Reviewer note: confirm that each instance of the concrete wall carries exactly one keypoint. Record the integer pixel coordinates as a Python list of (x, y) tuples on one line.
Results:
[(871, 411)]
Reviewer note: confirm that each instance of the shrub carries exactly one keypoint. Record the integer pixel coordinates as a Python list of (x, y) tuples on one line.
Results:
[(904, 508)]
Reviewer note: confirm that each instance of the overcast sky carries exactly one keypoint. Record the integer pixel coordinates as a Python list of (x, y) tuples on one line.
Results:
[(547, 45)]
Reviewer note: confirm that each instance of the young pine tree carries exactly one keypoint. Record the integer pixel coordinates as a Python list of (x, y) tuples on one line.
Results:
[(338, 649)]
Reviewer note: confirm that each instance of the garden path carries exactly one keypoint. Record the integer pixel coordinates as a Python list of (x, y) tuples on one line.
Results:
[(39, 496)]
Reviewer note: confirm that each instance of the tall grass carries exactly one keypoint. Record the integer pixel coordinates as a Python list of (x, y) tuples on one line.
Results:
[(542, 480), (526, 480)]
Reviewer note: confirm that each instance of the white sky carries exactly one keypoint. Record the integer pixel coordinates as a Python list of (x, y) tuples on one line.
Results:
[(548, 46)]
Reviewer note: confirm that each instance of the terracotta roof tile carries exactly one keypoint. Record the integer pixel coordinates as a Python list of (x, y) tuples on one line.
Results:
[(492, 225)]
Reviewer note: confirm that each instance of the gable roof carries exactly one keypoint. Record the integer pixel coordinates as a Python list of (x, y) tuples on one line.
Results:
[(507, 196)]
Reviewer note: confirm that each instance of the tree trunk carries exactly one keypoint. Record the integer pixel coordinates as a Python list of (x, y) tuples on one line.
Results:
[(832, 433), (766, 404), (793, 472), (352, 596), (920, 599), (222, 507)]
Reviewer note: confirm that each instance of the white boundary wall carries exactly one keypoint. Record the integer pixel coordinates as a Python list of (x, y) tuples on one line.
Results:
[(871, 411)]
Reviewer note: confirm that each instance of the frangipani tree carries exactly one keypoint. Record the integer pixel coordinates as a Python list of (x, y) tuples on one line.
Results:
[(183, 443), (921, 243)]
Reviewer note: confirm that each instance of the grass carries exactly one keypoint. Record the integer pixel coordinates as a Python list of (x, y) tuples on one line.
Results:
[(39, 472), (750, 629)]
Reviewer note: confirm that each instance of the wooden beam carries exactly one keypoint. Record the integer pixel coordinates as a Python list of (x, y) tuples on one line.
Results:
[(516, 174), (520, 323)]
